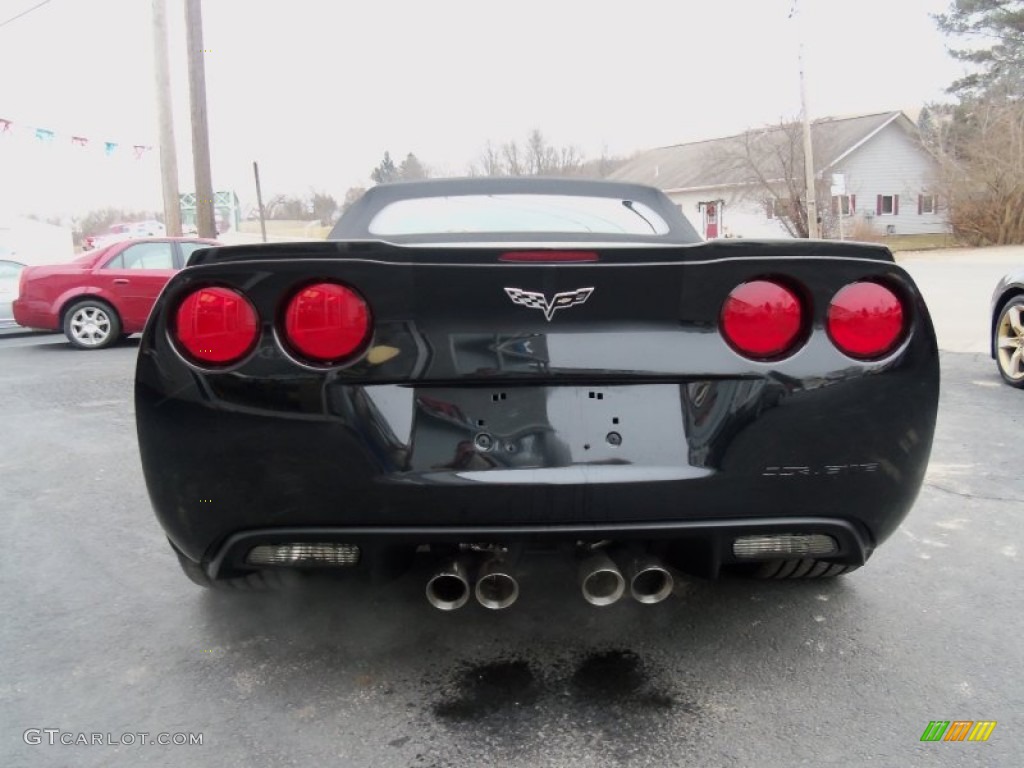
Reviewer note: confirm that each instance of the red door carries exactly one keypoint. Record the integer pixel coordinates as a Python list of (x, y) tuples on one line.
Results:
[(135, 278), (711, 220)]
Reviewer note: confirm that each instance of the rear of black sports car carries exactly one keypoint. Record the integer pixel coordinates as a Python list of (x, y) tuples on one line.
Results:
[(766, 407)]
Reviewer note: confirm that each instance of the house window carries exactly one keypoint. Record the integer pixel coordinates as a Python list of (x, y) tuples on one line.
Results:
[(888, 205), (928, 204), (842, 204)]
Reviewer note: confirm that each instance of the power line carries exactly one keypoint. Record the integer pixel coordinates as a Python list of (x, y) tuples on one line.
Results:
[(23, 13)]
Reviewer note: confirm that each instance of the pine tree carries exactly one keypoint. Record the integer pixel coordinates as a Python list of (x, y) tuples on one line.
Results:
[(999, 25), (385, 172), (412, 169)]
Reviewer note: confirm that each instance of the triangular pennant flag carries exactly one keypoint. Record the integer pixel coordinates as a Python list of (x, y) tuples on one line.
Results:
[(79, 141), (140, 150), (44, 135), (5, 126), (109, 147)]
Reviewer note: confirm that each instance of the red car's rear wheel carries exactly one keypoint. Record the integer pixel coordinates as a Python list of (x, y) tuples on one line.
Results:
[(91, 324)]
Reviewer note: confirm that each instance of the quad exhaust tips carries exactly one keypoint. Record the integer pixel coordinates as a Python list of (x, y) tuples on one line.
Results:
[(448, 589), (601, 581)]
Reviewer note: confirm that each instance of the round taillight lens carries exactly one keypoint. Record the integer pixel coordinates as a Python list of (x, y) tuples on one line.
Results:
[(217, 325), (762, 319), (866, 320), (327, 322)]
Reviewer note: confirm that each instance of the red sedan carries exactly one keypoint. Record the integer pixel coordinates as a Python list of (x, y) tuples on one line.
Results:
[(104, 295)]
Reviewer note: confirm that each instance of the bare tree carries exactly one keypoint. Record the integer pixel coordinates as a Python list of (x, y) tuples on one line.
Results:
[(538, 153), (535, 157), (515, 164), (490, 161), (570, 161), (324, 206), (980, 149), (768, 165)]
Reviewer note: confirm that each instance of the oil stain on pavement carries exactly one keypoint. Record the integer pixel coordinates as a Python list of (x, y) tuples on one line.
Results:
[(515, 705)]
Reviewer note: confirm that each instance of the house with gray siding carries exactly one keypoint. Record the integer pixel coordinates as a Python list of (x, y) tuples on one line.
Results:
[(733, 186)]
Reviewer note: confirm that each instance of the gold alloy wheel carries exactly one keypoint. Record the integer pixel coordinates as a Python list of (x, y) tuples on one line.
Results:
[(1010, 343)]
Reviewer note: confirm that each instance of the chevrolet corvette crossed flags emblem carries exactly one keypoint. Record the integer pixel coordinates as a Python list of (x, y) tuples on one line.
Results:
[(539, 301)]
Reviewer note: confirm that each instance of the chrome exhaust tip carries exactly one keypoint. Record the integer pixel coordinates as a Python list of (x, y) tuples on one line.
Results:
[(496, 588), (448, 589), (601, 580), (649, 580)]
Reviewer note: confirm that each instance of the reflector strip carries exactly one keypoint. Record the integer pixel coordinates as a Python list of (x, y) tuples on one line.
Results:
[(784, 544), (304, 554)]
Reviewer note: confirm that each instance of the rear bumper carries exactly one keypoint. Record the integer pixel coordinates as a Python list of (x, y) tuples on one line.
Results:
[(696, 546), (389, 461), (34, 314)]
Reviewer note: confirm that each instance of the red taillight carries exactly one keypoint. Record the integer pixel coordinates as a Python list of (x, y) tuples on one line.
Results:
[(552, 256), (762, 319), (217, 325), (866, 320), (327, 322)]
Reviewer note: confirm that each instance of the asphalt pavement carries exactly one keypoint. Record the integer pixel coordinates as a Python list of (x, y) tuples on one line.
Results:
[(102, 634)]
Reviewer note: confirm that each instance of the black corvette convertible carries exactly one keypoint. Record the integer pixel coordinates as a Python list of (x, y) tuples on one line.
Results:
[(480, 371)]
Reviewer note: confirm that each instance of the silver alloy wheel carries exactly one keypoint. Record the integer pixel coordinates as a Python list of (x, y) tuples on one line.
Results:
[(1010, 342), (90, 326)]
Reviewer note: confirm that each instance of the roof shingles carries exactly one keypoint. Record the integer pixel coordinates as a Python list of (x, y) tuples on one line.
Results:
[(722, 162)]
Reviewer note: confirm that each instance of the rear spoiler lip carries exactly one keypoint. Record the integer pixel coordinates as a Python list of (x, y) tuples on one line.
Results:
[(412, 254)]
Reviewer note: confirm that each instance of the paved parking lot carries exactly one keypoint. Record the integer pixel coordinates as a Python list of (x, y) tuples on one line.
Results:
[(102, 634)]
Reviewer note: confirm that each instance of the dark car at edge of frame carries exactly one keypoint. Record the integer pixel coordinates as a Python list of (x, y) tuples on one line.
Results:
[(1008, 328)]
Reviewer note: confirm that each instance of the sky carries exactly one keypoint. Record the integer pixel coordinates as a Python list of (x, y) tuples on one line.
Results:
[(318, 90)]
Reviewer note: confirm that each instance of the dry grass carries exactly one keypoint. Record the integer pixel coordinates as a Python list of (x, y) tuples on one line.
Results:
[(287, 228), (863, 230), (920, 242)]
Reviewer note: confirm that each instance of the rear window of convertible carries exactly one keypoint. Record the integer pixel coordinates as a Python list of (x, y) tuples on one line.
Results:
[(517, 213)]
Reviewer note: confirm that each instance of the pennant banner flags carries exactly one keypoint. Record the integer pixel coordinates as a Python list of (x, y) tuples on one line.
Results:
[(46, 136)]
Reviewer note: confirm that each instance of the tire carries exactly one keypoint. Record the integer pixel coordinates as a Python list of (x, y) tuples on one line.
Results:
[(1008, 342), (804, 568), (91, 324), (257, 581)]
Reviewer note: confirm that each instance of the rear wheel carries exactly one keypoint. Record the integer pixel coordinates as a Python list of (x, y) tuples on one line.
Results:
[(91, 324), (803, 568), (1009, 342)]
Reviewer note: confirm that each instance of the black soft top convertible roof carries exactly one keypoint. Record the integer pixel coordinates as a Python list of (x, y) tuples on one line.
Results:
[(355, 223)]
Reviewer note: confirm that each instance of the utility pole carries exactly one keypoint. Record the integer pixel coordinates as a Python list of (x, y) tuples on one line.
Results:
[(200, 128), (165, 116), (259, 199), (812, 201)]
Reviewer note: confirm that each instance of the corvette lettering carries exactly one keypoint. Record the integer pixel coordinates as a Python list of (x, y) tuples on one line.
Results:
[(539, 301)]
